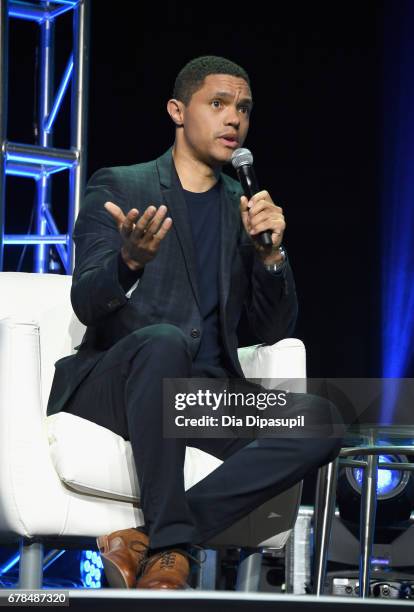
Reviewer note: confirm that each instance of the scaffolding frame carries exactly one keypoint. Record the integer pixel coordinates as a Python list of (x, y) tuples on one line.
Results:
[(42, 160)]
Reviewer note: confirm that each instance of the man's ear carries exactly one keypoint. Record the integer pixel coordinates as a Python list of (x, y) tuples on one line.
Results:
[(175, 109)]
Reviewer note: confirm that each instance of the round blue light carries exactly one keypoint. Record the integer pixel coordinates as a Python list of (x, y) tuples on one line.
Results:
[(91, 573), (388, 480)]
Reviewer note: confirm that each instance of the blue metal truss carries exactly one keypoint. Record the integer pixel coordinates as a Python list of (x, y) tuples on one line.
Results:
[(41, 161)]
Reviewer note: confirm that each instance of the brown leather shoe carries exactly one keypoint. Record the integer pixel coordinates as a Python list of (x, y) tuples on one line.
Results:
[(166, 570), (123, 552)]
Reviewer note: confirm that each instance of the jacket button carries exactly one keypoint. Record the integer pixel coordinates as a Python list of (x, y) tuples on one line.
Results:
[(114, 303), (195, 333)]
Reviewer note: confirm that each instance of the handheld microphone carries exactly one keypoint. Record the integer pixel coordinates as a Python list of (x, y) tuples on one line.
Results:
[(242, 162)]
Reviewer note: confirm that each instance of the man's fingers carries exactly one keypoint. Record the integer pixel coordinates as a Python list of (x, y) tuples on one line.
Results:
[(265, 216), (162, 232), (243, 203), (146, 217), (129, 222), (260, 205), (260, 195), (115, 212), (132, 214), (245, 212), (151, 220), (274, 226)]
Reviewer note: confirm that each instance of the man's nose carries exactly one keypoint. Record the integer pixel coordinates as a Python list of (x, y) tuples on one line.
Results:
[(233, 117)]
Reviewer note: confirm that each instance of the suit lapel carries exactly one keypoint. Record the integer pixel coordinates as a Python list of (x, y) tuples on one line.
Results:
[(229, 228), (173, 198)]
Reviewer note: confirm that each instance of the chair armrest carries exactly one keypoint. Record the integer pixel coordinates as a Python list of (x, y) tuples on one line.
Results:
[(285, 359)]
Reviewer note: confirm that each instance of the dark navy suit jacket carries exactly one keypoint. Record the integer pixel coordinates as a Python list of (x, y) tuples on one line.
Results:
[(167, 290)]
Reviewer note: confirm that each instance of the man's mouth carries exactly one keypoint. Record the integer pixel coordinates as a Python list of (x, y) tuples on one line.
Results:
[(230, 141)]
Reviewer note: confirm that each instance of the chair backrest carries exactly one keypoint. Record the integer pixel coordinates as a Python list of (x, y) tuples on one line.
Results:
[(43, 300)]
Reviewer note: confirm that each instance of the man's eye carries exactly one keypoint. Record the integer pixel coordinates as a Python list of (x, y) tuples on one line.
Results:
[(216, 101)]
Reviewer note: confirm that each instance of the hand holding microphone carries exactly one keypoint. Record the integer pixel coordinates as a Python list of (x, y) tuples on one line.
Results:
[(262, 220)]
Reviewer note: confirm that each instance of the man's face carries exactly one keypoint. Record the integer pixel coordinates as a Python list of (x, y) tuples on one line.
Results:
[(216, 120)]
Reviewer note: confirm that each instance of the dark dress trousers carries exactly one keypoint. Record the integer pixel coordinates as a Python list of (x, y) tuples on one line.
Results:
[(131, 344)]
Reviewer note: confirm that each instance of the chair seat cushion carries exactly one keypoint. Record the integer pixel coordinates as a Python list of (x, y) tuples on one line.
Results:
[(92, 459)]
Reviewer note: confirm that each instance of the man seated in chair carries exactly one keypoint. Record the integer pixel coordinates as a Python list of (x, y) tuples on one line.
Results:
[(167, 257)]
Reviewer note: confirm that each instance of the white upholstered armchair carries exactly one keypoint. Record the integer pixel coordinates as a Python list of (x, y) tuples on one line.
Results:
[(57, 487)]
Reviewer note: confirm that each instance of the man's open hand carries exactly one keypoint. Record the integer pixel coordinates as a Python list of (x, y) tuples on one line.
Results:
[(141, 236)]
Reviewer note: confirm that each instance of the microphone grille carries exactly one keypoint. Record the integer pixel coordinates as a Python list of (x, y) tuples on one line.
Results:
[(241, 157)]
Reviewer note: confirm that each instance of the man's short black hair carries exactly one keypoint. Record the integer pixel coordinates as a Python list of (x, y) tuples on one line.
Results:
[(191, 78)]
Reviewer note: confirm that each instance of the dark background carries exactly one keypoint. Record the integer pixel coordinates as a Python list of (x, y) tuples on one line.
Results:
[(316, 73)]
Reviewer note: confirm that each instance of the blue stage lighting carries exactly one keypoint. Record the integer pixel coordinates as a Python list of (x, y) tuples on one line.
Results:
[(395, 492), (389, 483), (45, 161), (26, 173), (60, 94), (91, 569), (9, 564), (397, 244)]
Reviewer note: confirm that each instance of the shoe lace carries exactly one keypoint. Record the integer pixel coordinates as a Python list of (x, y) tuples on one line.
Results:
[(168, 557)]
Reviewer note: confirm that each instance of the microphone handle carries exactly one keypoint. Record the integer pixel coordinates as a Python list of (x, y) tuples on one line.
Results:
[(248, 181)]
